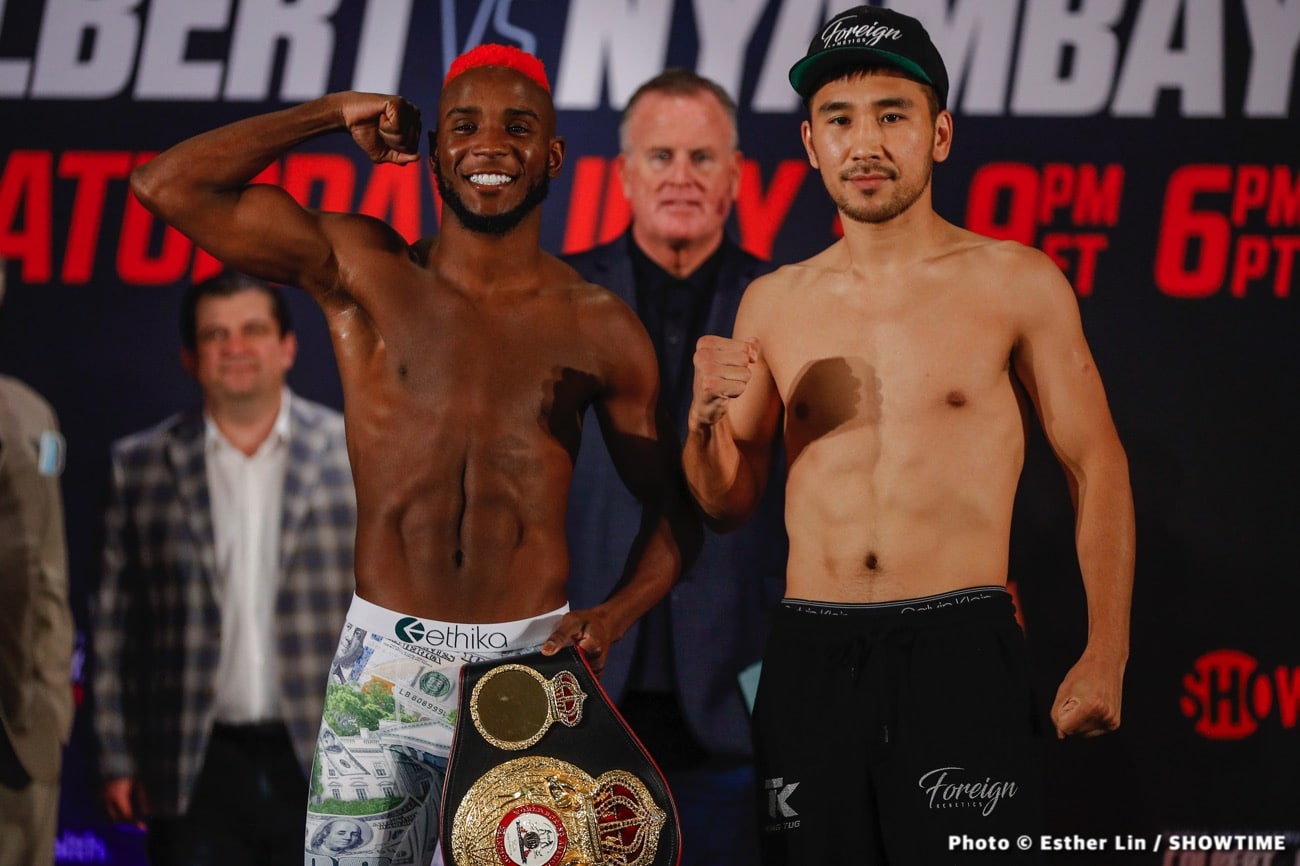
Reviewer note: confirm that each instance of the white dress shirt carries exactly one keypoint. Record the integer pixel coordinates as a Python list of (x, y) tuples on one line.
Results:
[(246, 493)]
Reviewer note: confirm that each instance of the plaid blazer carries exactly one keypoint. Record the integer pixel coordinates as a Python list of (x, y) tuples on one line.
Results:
[(156, 617)]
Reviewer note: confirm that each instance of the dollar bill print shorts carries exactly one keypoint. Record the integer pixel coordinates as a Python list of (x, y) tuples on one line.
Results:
[(390, 712)]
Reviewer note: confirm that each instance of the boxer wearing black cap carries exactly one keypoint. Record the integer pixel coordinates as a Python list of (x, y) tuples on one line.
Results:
[(865, 34), (902, 365)]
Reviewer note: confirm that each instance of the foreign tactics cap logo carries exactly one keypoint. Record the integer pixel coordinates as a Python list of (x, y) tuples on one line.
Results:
[(871, 34)]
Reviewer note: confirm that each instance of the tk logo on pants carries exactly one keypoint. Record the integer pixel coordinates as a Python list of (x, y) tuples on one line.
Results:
[(777, 794)]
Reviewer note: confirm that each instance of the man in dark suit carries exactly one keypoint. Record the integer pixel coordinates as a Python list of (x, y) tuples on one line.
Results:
[(228, 570), (675, 676), (36, 628)]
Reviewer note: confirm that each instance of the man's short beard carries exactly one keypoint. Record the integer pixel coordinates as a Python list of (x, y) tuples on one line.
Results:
[(883, 212), (872, 210), (496, 224)]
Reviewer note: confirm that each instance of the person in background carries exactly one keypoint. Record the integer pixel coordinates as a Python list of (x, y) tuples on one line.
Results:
[(676, 676), (227, 572), (907, 361), (36, 631)]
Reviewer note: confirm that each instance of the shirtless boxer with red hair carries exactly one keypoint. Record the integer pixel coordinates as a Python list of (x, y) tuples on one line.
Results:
[(467, 361)]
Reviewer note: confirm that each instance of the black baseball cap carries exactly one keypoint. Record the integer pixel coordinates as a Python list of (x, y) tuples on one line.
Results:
[(872, 34)]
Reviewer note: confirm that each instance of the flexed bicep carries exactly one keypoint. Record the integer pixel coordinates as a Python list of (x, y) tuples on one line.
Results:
[(267, 234), (218, 188)]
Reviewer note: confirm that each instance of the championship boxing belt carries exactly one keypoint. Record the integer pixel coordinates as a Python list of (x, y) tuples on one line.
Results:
[(545, 772)]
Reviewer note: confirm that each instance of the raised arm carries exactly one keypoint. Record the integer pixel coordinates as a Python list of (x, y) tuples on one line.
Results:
[(735, 410), (1054, 362), (645, 453), (203, 186)]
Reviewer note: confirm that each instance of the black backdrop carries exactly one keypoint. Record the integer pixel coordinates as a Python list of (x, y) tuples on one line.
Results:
[(1149, 145)]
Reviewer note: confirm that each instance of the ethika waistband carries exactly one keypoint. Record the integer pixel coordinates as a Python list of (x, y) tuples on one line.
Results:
[(488, 637), (925, 604)]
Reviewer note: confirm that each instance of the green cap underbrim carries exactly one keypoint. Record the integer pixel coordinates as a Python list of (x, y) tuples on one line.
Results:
[(803, 73)]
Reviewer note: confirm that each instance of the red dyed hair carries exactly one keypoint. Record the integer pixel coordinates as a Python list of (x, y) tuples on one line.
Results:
[(500, 55)]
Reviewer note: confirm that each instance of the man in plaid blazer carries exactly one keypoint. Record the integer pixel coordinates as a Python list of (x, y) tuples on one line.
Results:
[(219, 610)]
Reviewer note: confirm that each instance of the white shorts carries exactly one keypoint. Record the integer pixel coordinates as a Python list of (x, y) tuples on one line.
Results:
[(390, 713)]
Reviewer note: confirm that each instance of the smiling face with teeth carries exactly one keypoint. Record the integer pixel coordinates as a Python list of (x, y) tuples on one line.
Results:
[(495, 149)]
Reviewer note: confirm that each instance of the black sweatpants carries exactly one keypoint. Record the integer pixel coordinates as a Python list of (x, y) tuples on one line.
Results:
[(884, 730)]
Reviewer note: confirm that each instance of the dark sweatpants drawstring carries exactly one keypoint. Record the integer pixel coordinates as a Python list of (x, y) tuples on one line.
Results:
[(883, 649)]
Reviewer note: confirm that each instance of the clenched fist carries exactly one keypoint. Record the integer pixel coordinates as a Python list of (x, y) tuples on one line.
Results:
[(723, 368), (387, 128)]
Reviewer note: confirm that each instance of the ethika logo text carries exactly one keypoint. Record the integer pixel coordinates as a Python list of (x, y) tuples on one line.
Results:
[(473, 637), (835, 34), (946, 795)]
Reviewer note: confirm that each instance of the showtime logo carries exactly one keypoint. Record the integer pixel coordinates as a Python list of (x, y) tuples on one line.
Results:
[(1229, 694)]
